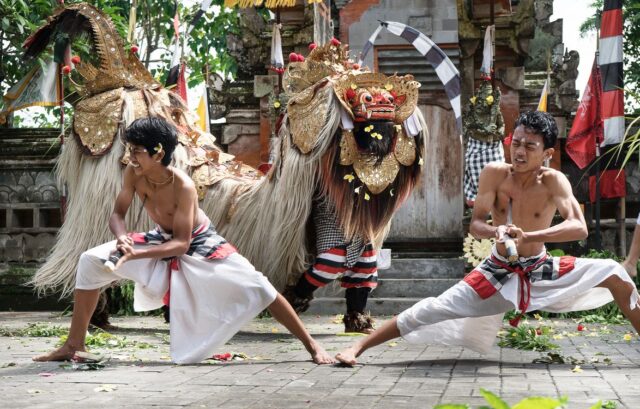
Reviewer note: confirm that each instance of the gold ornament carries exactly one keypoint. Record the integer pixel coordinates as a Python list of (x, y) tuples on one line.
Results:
[(118, 68), (308, 113), (348, 148), (97, 119), (405, 150), (376, 177)]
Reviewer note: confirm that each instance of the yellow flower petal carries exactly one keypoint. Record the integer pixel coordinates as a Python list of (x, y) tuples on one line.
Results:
[(366, 196), (489, 99), (354, 86), (576, 369), (276, 104), (627, 337), (473, 100), (420, 162), (349, 177), (388, 87)]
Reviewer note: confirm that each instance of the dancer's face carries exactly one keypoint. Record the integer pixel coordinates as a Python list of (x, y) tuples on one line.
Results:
[(527, 150), (143, 163)]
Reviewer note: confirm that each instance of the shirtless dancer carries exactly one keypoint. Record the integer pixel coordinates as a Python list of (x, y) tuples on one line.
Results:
[(214, 290), (470, 313)]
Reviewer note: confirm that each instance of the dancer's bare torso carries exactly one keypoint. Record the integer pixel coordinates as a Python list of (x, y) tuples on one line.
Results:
[(535, 196), (161, 201)]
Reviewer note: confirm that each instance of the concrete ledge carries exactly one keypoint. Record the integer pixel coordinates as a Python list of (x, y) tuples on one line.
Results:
[(377, 306)]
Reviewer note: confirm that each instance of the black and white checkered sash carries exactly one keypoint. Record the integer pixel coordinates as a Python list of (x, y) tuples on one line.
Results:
[(490, 275), (206, 243)]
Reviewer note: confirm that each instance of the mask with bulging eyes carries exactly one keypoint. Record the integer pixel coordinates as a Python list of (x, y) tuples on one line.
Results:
[(372, 104)]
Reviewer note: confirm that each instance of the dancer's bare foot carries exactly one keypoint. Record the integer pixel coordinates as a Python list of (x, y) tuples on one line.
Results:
[(348, 356), (320, 356), (630, 267), (64, 353)]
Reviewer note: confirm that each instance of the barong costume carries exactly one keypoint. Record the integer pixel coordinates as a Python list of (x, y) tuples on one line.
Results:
[(470, 313), (353, 261), (214, 290)]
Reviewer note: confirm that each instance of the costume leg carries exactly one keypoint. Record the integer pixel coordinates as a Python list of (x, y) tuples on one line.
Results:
[(328, 266), (151, 275), (211, 300), (622, 292), (359, 281), (90, 277), (459, 301)]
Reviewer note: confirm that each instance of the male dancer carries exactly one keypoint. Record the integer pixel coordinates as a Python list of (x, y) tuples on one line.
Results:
[(214, 290), (470, 313)]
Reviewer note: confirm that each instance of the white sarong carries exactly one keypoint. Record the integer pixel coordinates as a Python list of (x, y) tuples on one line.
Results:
[(214, 293), (470, 313)]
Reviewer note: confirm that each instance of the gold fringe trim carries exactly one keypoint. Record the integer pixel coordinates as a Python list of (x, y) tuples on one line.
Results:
[(272, 4)]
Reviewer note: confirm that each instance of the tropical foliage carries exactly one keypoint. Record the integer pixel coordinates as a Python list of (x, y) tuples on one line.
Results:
[(204, 48)]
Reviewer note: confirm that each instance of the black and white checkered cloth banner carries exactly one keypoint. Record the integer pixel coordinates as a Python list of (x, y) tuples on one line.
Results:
[(477, 155), (204, 6), (446, 71)]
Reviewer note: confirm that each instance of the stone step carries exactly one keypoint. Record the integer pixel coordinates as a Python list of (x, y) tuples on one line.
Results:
[(424, 268), (407, 281), (377, 306), (397, 288), (412, 288)]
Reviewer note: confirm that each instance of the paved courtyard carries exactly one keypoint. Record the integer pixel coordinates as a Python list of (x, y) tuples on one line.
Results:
[(272, 370)]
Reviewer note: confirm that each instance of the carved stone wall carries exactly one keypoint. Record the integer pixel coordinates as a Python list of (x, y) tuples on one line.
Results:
[(29, 198), (30, 213)]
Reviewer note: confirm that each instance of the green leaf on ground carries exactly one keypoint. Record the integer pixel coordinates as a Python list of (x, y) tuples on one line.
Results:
[(539, 403), (493, 400)]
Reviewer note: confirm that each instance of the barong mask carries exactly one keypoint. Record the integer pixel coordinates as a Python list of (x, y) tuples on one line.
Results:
[(375, 162)]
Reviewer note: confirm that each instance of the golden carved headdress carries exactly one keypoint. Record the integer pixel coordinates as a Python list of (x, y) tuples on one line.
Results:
[(328, 75), (374, 162), (117, 67)]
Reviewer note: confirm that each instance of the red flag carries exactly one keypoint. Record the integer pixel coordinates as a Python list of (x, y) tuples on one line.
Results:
[(587, 129), (613, 183)]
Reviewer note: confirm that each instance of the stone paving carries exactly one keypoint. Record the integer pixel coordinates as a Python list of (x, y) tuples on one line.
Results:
[(279, 374)]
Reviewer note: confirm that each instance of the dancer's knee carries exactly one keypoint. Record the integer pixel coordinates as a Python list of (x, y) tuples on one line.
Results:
[(91, 273)]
